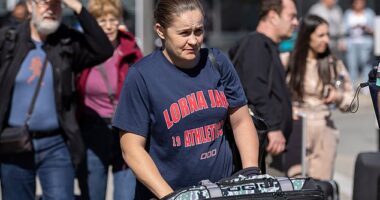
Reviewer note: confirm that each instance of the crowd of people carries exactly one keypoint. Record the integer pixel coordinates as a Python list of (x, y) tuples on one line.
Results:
[(89, 100)]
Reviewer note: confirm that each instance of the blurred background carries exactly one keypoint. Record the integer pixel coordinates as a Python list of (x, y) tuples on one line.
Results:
[(227, 20)]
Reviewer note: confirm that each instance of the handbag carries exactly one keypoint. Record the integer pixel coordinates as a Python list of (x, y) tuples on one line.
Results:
[(14, 140)]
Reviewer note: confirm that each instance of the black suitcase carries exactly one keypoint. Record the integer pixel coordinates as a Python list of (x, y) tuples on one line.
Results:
[(367, 176), (330, 189)]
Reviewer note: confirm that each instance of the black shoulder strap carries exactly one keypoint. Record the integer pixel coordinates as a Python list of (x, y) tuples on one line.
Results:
[(36, 91)]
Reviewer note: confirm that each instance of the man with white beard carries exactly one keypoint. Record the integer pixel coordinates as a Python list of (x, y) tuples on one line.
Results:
[(44, 47)]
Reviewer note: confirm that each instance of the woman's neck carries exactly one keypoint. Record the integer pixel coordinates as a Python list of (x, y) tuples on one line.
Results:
[(183, 64), (311, 55)]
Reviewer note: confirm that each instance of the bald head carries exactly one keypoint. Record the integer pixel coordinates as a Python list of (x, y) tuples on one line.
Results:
[(329, 3)]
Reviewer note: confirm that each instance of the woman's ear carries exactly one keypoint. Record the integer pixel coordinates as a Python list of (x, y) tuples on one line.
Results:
[(159, 30)]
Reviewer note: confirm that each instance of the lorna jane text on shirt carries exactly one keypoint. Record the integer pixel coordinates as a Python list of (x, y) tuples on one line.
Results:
[(192, 103)]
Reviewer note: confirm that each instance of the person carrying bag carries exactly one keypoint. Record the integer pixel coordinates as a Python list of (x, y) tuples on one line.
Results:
[(15, 140)]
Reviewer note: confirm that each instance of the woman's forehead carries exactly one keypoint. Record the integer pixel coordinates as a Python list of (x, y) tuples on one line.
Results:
[(191, 18)]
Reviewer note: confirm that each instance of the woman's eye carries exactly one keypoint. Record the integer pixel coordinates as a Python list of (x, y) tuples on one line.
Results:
[(185, 33), (198, 31)]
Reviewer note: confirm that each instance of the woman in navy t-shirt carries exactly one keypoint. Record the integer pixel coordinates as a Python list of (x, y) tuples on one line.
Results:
[(173, 106)]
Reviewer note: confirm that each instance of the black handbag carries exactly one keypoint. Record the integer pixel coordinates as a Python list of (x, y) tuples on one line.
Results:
[(14, 140)]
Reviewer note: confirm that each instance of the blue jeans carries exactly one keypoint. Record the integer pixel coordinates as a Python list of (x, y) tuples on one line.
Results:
[(50, 161), (103, 150), (358, 58)]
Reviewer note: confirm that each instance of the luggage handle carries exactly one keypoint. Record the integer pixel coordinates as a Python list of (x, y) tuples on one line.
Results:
[(285, 184), (303, 116), (214, 189)]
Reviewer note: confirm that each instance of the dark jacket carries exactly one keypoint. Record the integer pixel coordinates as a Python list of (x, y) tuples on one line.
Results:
[(253, 67), (69, 52)]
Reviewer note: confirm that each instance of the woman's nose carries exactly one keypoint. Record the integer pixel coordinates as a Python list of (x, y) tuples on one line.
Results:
[(192, 39)]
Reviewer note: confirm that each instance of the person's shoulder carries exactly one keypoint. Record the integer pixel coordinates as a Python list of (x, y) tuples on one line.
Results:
[(257, 38), (215, 51), (338, 9), (128, 43), (10, 32), (123, 34), (348, 12), (369, 11), (318, 9), (149, 62), (315, 7), (218, 54)]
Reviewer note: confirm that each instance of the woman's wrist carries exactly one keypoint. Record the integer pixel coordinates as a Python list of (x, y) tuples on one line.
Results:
[(165, 192)]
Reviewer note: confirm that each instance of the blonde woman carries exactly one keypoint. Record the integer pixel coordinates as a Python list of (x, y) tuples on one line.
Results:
[(99, 89)]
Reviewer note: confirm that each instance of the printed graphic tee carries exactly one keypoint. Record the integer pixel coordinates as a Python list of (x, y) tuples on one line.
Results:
[(181, 113), (44, 116)]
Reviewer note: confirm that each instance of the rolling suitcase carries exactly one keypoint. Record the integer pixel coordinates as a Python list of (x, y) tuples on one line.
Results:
[(367, 176)]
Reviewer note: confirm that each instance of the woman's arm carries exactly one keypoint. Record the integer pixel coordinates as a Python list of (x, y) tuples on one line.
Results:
[(138, 159), (245, 136)]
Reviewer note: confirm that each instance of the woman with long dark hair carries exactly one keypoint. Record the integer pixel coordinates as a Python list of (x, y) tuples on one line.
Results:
[(318, 82)]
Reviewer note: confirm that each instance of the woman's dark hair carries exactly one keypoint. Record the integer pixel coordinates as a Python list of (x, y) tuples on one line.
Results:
[(297, 67), (166, 9)]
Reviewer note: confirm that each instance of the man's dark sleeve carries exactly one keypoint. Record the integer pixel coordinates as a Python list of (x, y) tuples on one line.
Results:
[(93, 46), (253, 70)]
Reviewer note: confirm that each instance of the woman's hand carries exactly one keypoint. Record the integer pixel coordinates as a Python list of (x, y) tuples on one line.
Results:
[(333, 95)]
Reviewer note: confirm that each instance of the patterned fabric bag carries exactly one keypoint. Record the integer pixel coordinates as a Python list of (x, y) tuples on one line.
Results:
[(251, 187)]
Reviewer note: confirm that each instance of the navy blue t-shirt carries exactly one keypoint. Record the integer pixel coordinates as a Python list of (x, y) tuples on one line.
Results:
[(181, 113)]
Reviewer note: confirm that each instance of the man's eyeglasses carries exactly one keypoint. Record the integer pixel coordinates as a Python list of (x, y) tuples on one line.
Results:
[(51, 3)]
